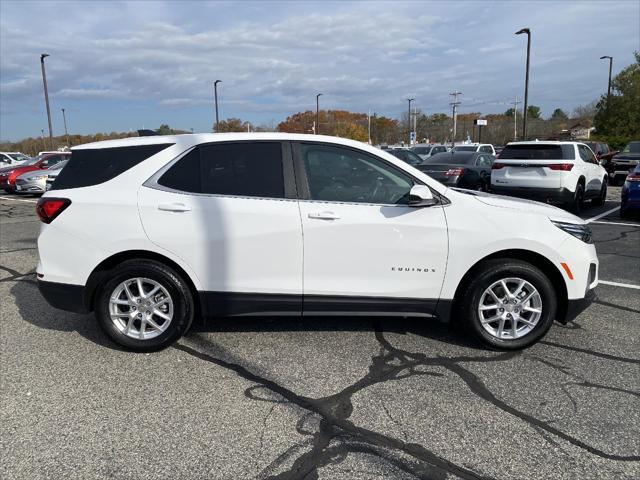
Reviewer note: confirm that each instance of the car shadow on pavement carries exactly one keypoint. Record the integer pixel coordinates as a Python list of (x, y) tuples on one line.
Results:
[(34, 309)]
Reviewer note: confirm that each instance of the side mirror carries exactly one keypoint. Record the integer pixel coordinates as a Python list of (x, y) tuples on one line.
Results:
[(421, 196)]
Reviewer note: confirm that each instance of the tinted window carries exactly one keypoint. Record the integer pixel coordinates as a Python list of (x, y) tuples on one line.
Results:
[(251, 169), (632, 147), (422, 150), (486, 149), (484, 161), (538, 152), (465, 149), (586, 154), (451, 158), (94, 166), (338, 174)]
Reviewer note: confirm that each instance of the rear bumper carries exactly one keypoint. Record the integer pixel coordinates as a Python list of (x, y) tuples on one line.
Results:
[(576, 306), (550, 195), (64, 296)]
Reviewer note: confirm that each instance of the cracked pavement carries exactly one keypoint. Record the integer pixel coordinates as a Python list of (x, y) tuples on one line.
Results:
[(319, 398)]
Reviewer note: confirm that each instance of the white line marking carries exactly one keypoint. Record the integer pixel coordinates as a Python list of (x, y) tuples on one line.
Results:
[(2, 197), (589, 220), (618, 223), (616, 284)]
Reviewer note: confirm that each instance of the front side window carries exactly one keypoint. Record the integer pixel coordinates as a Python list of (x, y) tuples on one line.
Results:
[(337, 174), (247, 169), (483, 161), (586, 154)]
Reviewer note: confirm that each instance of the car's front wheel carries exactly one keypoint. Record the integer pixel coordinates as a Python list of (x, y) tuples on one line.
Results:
[(144, 305), (509, 305)]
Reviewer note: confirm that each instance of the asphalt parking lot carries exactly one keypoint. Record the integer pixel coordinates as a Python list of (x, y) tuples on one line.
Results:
[(353, 398)]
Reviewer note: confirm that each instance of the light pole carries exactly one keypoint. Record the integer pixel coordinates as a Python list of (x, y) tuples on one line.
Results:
[(215, 96), (44, 145), (409, 119), (526, 82), (66, 134), (46, 96), (610, 67), (317, 129)]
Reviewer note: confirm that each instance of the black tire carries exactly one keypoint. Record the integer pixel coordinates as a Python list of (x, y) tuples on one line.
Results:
[(599, 201), (183, 304), (486, 274), (575, 206)]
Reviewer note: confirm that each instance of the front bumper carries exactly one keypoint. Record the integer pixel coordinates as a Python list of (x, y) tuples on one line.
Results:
[(576, 306), (548, 195), (64, 296), (23, 186)]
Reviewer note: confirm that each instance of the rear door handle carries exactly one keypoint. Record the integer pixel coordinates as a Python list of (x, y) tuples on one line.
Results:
[(324, 215), (174, 207)]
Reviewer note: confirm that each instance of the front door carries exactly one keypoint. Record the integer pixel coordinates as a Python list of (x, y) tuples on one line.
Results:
[(365, 249)]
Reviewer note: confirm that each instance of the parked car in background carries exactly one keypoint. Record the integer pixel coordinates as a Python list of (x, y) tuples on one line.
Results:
[(470, 170), (498, 150), (35, 181), (630, 194), (406, 155), (41, 162), (625, 161), (475, 147), (426, 150), (565, 173), (149, 232), (11, 159), (52, 174), (604, 154)]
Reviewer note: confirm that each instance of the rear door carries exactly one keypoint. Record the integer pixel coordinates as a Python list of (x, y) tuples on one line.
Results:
[(533, 165), (229, 210), (592, 170)]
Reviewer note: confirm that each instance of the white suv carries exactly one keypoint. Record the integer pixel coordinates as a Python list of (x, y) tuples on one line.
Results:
[(474, 147), (153, 232), (565, 173)]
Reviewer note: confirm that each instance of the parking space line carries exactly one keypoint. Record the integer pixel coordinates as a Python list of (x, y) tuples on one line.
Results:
[(618, 223), (597, 217), (616, 284), (2, 197)]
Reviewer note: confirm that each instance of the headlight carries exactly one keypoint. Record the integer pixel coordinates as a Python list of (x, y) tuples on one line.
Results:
[(37, 177), (582, 232)]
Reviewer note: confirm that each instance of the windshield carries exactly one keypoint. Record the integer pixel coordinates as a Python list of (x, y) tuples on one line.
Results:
[(465, 149), (33, 160), (18, 156), (422, 150), (632, 147), (58, 165), (451, 158), (538, 152)]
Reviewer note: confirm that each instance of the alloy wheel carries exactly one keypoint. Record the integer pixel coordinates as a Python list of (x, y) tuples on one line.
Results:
[(141, 308), (510, 308)]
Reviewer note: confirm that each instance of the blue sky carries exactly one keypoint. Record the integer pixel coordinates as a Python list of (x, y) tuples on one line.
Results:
[(119, 66)]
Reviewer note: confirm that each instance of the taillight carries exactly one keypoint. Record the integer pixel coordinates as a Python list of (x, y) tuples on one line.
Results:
[(497, 166), (49, 208), (633, 177), (565, 167), (454, 172)]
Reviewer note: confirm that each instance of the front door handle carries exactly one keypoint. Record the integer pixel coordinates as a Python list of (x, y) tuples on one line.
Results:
[(174, 207), (324, 215)]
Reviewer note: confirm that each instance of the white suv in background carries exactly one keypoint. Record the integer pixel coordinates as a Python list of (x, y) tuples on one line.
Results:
[(565, 173), (153, 232), (474, 147)]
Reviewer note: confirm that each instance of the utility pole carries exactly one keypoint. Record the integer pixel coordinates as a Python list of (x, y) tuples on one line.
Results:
[(369, 125), (526, 82), (409, 119), (66, 134), (215, 96), (46, 96), (610, 68), (316, 127), (415, 122), (454, 106), (515, 119)]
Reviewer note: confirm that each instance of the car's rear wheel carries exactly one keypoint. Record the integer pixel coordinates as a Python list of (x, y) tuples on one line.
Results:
[(509, 305), (602, 197), (144, 305), (576, 204)]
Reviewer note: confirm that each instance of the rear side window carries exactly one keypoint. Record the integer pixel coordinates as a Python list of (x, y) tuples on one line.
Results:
[(94, 166), (538, 152), (250, 169)]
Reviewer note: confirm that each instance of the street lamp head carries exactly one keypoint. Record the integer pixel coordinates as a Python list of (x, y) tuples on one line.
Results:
[(606, 56), (523, 30), (318, 95), (43, 56), (217, 82)]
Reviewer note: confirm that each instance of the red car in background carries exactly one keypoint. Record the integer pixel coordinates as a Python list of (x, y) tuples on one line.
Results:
[(604, 154), (8, 175)]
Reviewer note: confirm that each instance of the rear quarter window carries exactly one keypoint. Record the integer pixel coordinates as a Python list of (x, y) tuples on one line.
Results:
[(538, 152), (89, 167)]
